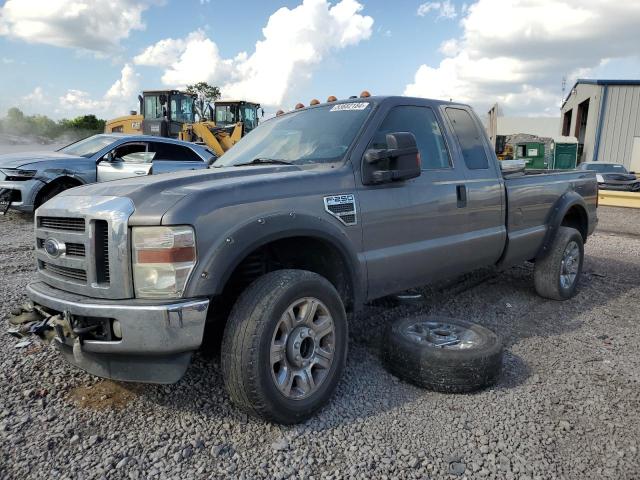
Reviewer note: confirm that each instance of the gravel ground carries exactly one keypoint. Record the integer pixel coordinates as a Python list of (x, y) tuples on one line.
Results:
[(566, 406)]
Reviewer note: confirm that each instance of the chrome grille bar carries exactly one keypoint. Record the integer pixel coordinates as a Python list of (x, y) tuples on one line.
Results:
[(62, 223), (66, 272)]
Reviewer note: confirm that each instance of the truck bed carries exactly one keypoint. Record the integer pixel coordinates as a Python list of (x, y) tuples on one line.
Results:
[(531, 198)]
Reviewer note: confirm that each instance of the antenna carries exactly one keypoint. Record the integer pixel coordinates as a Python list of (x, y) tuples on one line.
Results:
[(564, 86)]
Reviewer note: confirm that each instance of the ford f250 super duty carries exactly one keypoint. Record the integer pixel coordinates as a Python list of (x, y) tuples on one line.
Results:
[(314, 213)]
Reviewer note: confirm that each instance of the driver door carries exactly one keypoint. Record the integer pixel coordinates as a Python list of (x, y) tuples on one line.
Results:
[(131, 159)]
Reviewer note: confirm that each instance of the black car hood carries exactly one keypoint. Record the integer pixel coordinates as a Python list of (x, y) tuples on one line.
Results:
[(618, 177)]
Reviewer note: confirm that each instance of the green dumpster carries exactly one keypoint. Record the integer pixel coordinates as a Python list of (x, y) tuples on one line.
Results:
[(565, 154), (533, 154)]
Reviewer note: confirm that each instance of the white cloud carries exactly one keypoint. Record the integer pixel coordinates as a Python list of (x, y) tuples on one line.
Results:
[(163, 53), (294, 40), (445, 9), (199, 60), (125, 87), (7, 61), (81, 102), (118, 100), (97, 26), (35, 97), (517, 52)]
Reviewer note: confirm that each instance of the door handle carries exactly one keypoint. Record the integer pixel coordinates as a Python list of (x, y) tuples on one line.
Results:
[(140, 172), (461, 195)]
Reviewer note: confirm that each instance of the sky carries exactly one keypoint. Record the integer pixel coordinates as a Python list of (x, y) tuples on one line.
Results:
[(64, 58)]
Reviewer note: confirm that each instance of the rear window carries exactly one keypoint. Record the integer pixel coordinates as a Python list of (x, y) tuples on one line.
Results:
[(470, 139), (605, 167)]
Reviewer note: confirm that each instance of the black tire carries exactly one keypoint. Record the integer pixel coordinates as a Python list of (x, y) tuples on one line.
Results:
[(448, 370), (248, 337), (547, 271)]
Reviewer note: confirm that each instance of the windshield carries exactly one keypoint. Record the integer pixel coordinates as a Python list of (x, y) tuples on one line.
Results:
[(153, 109), (606, 168), (182, 108), (89, 146), (318, 135), (225, 115)]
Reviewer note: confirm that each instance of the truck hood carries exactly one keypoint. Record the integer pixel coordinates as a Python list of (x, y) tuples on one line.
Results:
[(17, 160), (154, 195)]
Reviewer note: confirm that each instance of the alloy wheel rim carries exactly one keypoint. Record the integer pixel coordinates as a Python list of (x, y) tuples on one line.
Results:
[(302, 348), (570, 265)]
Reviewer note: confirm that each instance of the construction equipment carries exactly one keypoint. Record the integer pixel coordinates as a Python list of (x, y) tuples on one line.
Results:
[(131, 124), (233, 119), (172, 113)]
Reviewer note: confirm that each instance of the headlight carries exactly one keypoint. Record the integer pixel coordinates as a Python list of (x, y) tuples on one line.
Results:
[(163, 259), (16, 175), (599, 178)]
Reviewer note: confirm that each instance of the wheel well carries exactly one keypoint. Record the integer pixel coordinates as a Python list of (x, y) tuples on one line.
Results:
[(68, 182), (576, 217), (304, 253)]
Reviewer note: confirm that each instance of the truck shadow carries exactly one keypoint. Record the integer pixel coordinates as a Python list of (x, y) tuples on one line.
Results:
[(504, 302)]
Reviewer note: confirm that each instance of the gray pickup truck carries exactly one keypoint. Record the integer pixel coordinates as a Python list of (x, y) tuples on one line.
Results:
[(314, 213)]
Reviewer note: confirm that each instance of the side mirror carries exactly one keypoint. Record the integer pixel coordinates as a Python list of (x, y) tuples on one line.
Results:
[(109, 157), (632, 173), (400, 161)]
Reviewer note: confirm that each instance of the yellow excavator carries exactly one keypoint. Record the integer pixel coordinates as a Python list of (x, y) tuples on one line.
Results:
[(172, 113)]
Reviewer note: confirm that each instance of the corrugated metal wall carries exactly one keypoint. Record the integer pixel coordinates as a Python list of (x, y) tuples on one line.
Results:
[(621, 124), (583, 92)]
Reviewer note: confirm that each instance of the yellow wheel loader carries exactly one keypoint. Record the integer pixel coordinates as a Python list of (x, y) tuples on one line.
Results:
[(172, 113)]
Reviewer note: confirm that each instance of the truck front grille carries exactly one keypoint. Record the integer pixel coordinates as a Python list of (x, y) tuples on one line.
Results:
[(94, 235), (62, 223), (75, 274)]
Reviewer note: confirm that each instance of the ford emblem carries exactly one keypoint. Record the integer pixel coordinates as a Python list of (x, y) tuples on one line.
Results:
[(53, 247)]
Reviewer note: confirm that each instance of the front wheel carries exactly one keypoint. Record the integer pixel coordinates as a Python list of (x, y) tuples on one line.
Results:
[(285, 346), (556, 276)]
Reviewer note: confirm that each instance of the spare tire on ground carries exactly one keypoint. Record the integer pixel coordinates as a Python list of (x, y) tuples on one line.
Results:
[(442, 354)]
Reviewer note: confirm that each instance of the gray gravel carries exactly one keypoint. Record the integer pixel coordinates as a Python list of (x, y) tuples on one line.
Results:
[(567, 405)]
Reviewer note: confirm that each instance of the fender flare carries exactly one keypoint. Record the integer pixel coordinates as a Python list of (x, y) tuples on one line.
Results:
[(221, 259), (554, 220)]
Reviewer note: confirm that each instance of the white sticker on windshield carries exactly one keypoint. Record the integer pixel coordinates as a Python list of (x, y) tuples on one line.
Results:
[(349, 106)]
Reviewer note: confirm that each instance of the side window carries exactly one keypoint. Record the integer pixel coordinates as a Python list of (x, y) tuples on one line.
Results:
[(169, 151), (133, 153), (470, 139), (422, 122)]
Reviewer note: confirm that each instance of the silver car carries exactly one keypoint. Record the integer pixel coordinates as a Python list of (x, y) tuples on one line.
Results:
[(27, 180)]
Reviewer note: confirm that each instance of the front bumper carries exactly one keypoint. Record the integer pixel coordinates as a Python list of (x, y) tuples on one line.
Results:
[(157, 339), (26, 191)]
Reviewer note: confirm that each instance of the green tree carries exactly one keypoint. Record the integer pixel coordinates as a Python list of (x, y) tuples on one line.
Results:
[(17, 123), (206, 94)]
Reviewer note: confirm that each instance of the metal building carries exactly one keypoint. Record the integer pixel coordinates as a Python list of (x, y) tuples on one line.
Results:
[(604, 115)]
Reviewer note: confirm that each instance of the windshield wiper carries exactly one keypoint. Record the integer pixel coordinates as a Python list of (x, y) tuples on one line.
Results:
[(263, 161)]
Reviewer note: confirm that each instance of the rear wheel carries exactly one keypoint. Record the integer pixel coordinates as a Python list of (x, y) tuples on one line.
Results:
[(556, 276), (285, 346)]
